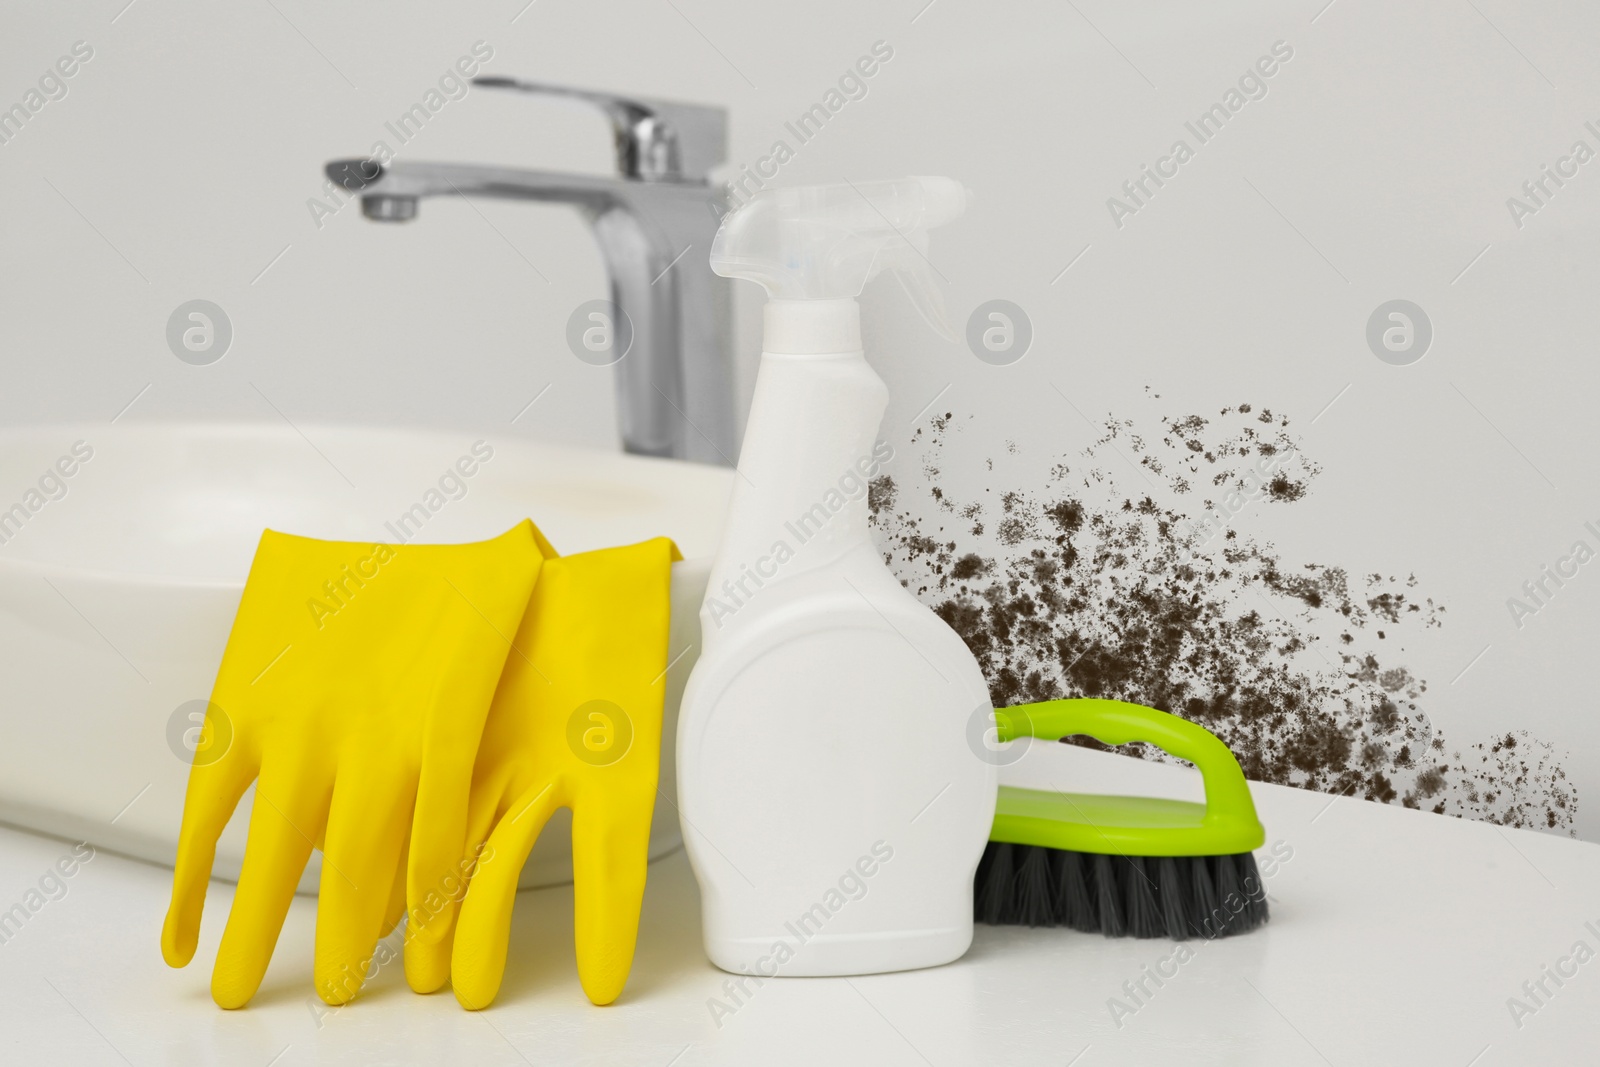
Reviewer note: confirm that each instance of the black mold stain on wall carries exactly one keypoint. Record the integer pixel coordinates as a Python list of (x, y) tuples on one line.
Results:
[(1084, 590)]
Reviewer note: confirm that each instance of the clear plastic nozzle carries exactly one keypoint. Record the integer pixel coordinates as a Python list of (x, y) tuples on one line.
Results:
[(825, 242)]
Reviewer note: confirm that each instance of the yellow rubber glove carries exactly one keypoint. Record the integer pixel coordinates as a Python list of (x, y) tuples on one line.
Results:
[(576, 723), (355, 684)]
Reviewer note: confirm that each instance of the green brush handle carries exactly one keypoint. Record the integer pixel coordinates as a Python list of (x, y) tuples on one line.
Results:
[(1228, 807)]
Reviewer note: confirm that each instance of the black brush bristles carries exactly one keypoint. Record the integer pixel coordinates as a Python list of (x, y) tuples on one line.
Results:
[(1203, 898), (1074, 905), (994, 893), (1034, 894), (1139, 904), (1227, 883), (1107, 896), (1239, 887), (1176, 897)]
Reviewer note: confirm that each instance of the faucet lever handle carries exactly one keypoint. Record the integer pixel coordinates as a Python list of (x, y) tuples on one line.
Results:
[(656, 140)]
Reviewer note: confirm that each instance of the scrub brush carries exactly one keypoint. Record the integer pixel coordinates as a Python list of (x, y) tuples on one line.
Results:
[(1123, 866)]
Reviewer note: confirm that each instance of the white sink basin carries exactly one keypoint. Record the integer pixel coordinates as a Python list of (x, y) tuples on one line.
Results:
[(117, 594)]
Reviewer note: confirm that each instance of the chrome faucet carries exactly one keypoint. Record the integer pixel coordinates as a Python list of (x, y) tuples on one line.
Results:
[(654, 223)]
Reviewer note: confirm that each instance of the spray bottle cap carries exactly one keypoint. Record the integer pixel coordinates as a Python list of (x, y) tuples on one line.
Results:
[(823, 243)]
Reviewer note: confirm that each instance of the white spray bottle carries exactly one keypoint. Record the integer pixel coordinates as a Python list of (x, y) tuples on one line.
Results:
[(833, 807)]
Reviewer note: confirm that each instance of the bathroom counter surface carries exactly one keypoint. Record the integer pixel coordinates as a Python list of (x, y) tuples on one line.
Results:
[(1397, 937)]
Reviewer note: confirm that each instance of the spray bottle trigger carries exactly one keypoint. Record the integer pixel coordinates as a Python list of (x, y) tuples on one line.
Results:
[(826, 242), (920, 281)]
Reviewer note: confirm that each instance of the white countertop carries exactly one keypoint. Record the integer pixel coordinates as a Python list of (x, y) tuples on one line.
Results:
[(1396, 937)]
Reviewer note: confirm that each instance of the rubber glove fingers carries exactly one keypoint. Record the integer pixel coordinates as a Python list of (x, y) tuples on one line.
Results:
[(428, 962), (495, 783), (288, 814), (355, 682), (610, 854), (576, 723), (397, 896), (483, 934), (215, 787), (430, 921), (367, 829), (467, 681)]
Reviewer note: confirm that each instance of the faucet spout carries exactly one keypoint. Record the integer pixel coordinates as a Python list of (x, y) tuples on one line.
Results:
[(654, 226)]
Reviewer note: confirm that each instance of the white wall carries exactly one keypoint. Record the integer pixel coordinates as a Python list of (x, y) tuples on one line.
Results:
[(1377, 166)]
